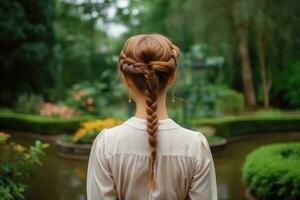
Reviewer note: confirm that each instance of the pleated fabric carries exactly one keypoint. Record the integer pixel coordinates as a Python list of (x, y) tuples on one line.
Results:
[(119, 164)]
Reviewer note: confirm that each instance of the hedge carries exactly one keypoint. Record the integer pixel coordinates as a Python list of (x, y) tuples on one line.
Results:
[(273, 172), (40, 124), (225, 127), (236, 126)]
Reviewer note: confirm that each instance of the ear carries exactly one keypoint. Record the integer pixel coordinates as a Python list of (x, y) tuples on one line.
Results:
[(127, 81), (171, 80)]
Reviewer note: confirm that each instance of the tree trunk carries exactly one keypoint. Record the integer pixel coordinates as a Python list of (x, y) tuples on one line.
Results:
[(266, 84), (249, 92), (240, 26)]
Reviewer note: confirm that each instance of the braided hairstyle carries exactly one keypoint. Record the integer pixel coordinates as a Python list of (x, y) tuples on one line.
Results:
[(149, 61)]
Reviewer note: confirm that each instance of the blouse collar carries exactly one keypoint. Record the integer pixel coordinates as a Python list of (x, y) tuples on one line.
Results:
[(141, 124)]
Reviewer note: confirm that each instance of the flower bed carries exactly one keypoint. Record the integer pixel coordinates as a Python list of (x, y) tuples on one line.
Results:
[(90, 129), (79, 144), (53, 110), (273, 172)]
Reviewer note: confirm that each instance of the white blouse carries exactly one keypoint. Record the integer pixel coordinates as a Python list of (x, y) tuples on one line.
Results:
[(119, 164)]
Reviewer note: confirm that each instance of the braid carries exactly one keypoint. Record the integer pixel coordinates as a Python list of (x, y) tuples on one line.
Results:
[(130, 65), (149, 60), (152, 120)]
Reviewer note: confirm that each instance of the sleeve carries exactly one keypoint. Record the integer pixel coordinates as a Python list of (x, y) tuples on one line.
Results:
[(203, 185), (100, 183)]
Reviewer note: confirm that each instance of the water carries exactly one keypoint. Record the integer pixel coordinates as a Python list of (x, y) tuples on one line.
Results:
[(229, 165), (64, 179)]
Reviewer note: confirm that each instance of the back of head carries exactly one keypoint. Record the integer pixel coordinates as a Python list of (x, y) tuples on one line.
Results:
[(149, 61)]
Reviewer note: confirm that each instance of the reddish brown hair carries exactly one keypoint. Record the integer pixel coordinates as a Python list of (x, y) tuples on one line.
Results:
[(149, 61)]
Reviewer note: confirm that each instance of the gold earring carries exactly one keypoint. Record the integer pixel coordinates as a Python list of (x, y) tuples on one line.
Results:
[(129, 98), (173, 96)]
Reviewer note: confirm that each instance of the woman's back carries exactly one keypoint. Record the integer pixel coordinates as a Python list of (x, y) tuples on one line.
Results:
[(119, 164), (145, 158)]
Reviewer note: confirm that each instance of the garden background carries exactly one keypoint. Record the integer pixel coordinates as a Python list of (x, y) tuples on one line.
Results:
[(238, 83)]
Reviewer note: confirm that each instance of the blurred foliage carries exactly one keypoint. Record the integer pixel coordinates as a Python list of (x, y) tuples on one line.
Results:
[(272, 172), (28, 103), (94, 97), (268, 113), (34, 104), (289, 84), (83, 49), (65, 44), (230, 102), (55, 110), (17, 163), (225, 25), (87, 97), (231, 126), (201, 85), (26, 41), (217, 100), (214, 139), (40, 124)]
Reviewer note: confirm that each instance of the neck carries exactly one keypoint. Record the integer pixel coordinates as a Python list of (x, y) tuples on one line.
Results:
[(141, 106)]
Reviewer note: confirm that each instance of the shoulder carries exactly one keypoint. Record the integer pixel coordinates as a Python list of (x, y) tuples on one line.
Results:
[(111, 135), (107, 133), (187, 141), (118, 132), (193, 136), (197, 140)]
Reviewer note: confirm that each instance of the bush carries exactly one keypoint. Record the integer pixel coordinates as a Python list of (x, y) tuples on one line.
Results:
[(237, 126), (289, 84), (28, 103), (16, 165), (219, 100), (94, 97), (39, 124), (230, 102), (272, 172), (268, 113)]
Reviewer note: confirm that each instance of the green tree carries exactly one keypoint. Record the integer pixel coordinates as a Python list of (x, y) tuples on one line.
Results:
[(261, 34), (275, 29), (83, 48), (225, 26), (160, 16), (26, 47)]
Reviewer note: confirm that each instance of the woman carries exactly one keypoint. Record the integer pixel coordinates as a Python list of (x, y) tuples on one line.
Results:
[(150, 156)]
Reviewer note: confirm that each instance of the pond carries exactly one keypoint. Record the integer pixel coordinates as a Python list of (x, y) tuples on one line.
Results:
[(64, 179)]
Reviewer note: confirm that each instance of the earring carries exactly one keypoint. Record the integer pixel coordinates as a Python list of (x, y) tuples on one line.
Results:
[(129, 98), (173, 96)]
